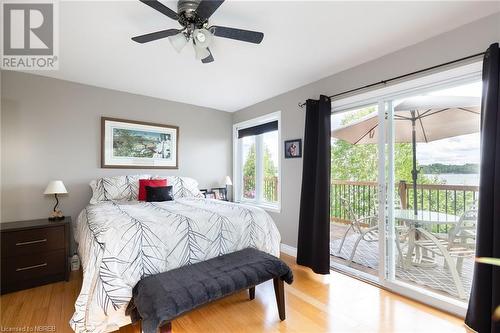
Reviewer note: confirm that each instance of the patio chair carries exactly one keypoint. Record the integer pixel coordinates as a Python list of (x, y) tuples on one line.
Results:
[(459, 245), (368, 234), (464, 232)]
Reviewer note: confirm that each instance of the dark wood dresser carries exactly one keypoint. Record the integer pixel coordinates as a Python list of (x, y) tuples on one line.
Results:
[(34, 252)]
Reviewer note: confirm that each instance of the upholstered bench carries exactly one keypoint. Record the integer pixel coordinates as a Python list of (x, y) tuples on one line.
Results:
[(160, 298)]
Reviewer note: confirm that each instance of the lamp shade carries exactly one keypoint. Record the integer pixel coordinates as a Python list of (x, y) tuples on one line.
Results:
[(178, 41), (202, 38), (200, 52), (55, 187), (227, 181)]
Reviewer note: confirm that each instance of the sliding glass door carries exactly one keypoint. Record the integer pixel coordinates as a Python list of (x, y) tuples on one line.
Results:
[(432, 163), (405, 172)]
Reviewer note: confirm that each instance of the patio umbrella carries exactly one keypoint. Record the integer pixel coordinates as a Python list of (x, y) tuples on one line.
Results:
[(419, 119)]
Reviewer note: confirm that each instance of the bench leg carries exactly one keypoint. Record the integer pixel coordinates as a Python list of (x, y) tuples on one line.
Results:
[(137, 326), (251, 293), (167, 328), (280, 297)]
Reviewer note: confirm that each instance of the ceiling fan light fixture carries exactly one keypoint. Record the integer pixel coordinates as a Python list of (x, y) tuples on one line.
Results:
[(178, 41), (202, 38), (201, 52), (193, 16)]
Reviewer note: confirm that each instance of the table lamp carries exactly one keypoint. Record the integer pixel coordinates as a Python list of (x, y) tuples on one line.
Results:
[(56, 187)]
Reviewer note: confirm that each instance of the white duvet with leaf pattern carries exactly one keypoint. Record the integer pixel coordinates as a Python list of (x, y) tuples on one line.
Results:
[(121, 242)]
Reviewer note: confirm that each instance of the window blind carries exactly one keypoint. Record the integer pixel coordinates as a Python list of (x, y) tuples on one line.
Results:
[(259, 129)]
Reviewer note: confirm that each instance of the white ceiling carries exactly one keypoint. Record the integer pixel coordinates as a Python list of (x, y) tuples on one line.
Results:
[(304, 41)]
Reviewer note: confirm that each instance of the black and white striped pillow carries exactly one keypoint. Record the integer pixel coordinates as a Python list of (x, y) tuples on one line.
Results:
[(119, 188)]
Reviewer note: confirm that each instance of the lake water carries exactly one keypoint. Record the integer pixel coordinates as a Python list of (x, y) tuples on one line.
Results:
[(457, 178)]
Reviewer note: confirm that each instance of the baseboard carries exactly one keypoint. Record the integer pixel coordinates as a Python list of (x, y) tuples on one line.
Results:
[(289, 250)]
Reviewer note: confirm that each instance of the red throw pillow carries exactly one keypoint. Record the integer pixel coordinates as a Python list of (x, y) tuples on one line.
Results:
[(149, 182)]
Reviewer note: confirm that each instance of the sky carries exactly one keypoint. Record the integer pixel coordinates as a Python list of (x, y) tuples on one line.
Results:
[(457, 150)]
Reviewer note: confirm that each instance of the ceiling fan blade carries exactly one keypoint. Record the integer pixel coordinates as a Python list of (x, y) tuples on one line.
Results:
[(208, 59), (155, 4), (238, 34), (155, 35), (207, 7)]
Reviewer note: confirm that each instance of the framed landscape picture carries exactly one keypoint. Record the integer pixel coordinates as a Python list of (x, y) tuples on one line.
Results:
[(137, 144)]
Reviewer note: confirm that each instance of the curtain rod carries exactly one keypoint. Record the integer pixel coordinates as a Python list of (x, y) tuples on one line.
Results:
[(383, 82)]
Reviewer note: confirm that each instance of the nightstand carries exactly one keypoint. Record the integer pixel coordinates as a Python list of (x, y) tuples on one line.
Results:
[(34, 253)]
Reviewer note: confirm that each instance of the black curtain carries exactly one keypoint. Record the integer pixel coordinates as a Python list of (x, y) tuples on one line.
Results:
[(313, 248), (485, 294)]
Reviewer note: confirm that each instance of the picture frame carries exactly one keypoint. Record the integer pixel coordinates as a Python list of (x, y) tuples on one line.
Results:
[(130, 144), (210, 195), (220, 193), (293, 148)]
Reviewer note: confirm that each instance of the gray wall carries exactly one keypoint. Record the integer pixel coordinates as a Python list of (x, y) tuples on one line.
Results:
[(50, 129), (464, 41)]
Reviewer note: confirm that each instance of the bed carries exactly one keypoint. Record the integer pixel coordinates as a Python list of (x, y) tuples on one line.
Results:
[(122, 241)]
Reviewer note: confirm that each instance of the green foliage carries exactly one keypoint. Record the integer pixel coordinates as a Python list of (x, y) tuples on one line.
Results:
[(354, 162), (491, 261), (249, 173)]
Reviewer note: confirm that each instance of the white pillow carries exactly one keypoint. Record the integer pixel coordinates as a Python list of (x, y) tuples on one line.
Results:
[(183, 187), (118, 188)]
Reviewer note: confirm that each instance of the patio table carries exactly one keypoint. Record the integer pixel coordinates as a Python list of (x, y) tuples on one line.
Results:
[(416, 228)]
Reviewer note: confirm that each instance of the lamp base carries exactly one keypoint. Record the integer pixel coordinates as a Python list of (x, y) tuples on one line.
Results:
[(56, 215), (56, 218)]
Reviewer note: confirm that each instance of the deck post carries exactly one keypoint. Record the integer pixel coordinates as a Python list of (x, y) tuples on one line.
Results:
[(402, 190)]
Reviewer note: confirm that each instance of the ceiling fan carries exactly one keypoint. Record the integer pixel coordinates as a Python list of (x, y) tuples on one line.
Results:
[(193, 16)]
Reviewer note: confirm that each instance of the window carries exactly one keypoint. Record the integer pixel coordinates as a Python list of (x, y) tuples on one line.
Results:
[(257, 161)]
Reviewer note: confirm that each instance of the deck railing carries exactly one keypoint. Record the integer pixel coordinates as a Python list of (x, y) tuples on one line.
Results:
[(270, 188), (450, 199)]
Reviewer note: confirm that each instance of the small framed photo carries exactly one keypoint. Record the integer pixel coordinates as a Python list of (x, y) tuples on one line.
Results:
[(210, 195), (293, 148), (220, 193)]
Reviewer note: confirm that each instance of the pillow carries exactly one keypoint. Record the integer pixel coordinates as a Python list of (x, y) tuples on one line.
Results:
[(116, 188), (149, 182), (183, 187), (159, 193)]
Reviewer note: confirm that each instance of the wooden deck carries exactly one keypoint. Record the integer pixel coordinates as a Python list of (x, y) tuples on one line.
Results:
[(436, 278)]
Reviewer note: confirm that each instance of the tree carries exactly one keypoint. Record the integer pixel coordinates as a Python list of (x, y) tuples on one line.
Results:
[(249, 173)]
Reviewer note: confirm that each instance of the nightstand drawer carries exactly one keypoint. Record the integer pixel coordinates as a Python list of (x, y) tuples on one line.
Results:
[(34, 266), (39, 240)]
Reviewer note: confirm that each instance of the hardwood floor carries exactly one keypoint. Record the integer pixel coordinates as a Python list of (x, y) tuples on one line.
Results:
[(314, 303)]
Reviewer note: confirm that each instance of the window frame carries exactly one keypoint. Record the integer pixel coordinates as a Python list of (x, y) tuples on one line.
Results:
[(237, 163)]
